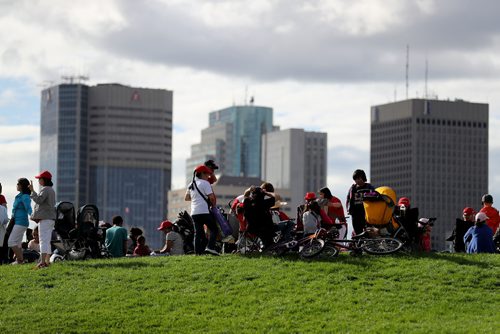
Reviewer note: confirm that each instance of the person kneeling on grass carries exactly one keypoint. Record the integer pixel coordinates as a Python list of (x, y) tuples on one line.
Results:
[(174, 245)]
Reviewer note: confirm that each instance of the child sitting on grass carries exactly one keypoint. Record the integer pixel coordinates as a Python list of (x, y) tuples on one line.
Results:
[(141, 249)]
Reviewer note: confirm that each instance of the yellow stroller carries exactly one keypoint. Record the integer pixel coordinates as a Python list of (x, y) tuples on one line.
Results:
[(379, 209)]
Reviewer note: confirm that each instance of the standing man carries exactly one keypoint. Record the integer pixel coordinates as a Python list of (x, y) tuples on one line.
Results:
[(492, 213), (354, 202), (116, 238)]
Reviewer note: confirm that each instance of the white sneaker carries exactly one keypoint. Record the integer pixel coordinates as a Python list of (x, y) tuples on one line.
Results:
[(211, 251)]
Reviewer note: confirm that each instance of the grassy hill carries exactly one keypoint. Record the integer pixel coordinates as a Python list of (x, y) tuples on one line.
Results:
[(438, 293)]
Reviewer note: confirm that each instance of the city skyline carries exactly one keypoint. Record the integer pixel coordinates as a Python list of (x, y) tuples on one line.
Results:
[(320, 65)]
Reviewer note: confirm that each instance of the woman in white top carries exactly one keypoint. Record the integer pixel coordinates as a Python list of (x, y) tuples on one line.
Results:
[(202, 198)]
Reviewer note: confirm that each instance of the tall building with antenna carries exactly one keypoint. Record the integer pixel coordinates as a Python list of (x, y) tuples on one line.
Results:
[(434, 152), (110, 145)]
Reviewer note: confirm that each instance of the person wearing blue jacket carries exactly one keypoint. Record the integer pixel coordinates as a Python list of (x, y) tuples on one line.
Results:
[(21, 209), (479, 238)]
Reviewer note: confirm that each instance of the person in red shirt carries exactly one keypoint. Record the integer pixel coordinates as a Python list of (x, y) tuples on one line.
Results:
[(334, 210), (141, 249), (493, 217)]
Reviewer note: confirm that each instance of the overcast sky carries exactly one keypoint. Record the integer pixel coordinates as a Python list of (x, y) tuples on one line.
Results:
[(319, 64)]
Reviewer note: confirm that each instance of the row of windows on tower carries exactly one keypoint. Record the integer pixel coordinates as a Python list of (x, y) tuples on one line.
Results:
[(469, 124)]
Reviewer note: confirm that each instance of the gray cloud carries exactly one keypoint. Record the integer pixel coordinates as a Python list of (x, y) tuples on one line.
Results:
[(460, 40)]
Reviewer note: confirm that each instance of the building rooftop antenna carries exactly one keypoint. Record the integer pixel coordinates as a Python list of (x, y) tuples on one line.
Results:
[(407, 67), (426, 77), (71, 79)]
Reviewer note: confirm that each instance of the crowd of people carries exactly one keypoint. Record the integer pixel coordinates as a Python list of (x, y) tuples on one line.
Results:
[(257, 212)]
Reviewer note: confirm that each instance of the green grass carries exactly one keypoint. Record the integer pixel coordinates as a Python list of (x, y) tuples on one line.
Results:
[(438, 293)]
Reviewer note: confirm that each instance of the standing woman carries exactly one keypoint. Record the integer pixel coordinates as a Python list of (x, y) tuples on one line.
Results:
[(202, 198), (20, 211), (44, 214)]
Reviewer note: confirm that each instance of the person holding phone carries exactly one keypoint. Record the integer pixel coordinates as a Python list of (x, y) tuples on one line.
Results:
[(44, 214)]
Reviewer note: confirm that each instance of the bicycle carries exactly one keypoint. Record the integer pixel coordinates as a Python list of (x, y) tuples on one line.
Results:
[(364, 242), (307, 247)]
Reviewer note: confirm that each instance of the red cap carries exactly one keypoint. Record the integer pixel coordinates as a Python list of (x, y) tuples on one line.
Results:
[(203, 169), (468, 211), (165, 224), (404, 201), (310, 196), (45, 174)]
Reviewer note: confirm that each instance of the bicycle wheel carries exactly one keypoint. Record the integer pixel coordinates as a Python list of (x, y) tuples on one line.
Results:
[(381, 246), (329, 251), (312, 248)]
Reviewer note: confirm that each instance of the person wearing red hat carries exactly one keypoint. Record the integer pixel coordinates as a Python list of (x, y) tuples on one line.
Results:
[(44, 214), (461, 227), (174, 245), (408, 217), (202, 198)]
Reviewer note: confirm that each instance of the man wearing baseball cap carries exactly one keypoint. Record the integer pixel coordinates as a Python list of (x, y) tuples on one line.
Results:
[(479, 238), (461, 227), (174, 245)]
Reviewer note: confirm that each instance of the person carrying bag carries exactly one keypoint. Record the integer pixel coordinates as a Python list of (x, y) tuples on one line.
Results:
[(202, 198)]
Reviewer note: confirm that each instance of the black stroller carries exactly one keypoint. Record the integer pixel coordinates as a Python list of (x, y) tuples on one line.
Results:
[(78, 239), (185, 224)]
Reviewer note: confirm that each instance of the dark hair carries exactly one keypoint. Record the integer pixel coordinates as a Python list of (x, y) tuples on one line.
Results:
[(267, 187), (326, 192), (359, 173), (0, 188), (117, 220), (135, 232), (141, 238), (24, 183), (47, 182), (211, 164), (314, 207)]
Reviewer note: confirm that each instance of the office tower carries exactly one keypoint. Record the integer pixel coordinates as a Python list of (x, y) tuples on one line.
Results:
[(434, 152), (233, 140), (295, 159), (111, 145), (63, 140)]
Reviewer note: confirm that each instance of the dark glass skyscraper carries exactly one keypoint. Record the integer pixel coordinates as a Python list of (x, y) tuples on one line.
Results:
[(234, 139), (110, 145)]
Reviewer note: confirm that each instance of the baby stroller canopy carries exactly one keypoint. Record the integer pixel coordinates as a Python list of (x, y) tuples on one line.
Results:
[(65, 219), (379, 206)]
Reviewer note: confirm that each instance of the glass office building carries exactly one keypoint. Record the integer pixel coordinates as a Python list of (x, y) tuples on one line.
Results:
[(233, 139), (110, 145), (64, 140)]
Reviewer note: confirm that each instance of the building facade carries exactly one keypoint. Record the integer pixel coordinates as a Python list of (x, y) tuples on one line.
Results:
[(295, 159), (110, 145), (434, 152), (233, 140)]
